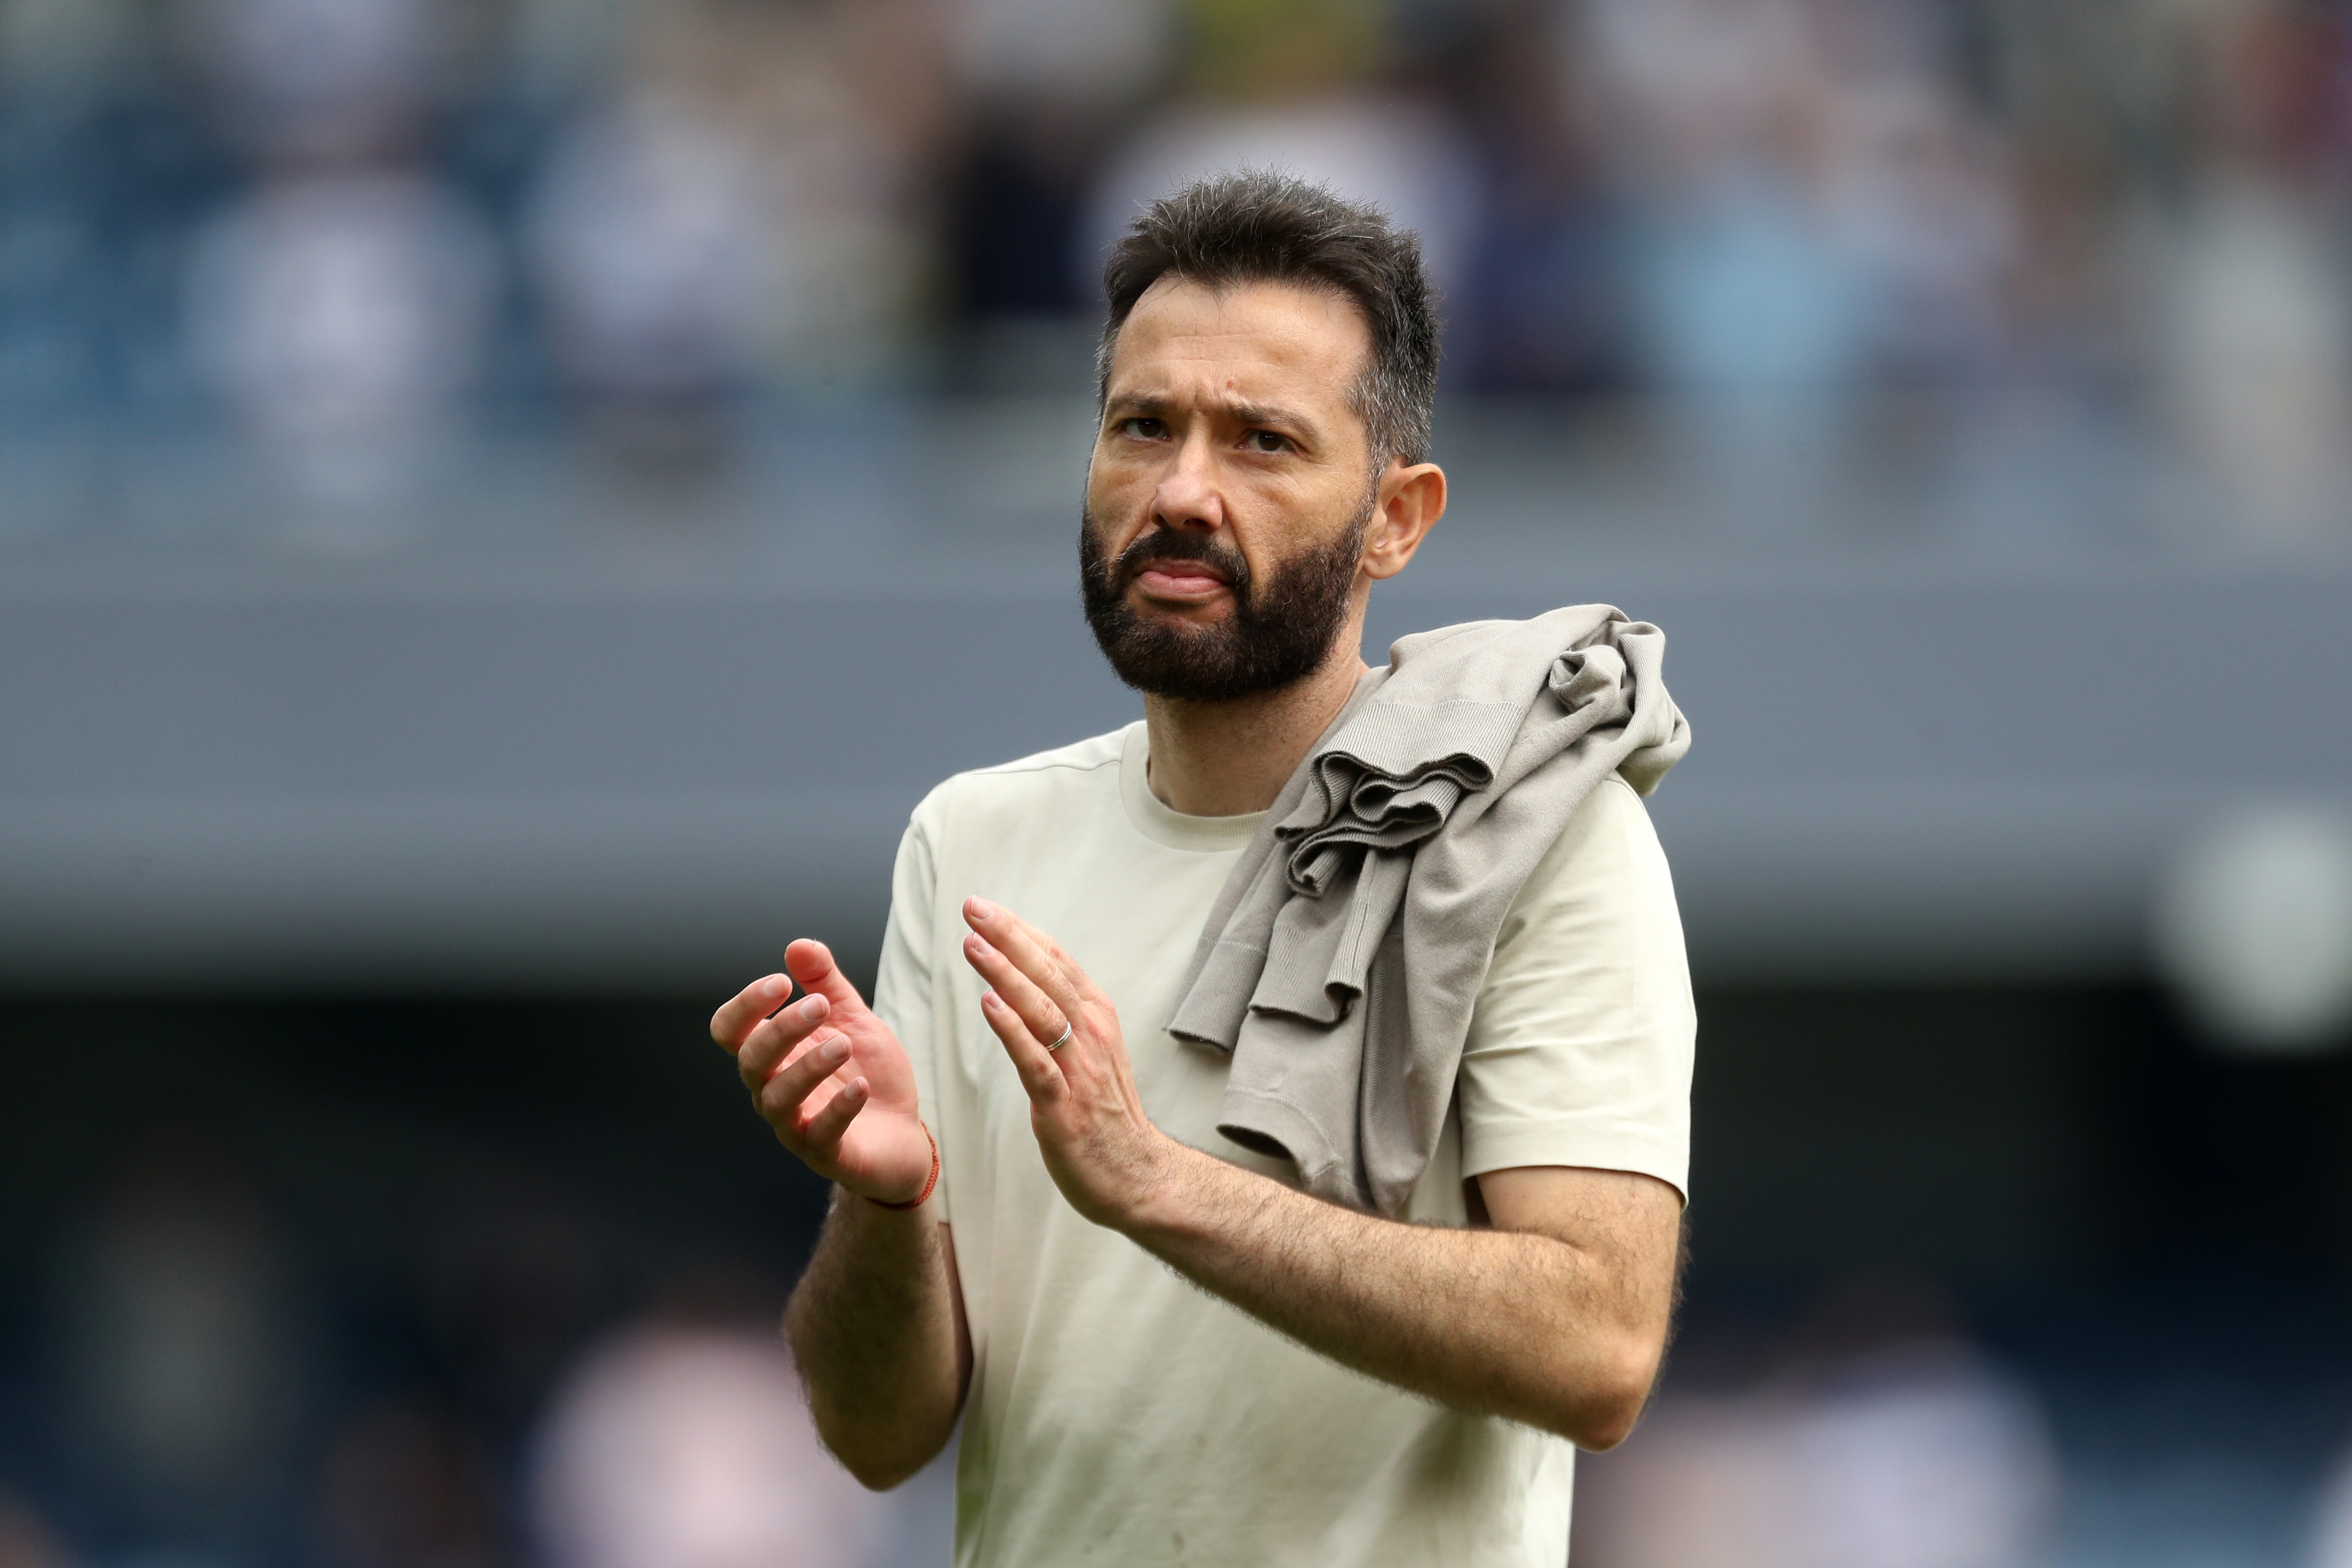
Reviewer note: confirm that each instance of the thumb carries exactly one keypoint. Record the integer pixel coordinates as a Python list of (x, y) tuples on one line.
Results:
[(811, 963)]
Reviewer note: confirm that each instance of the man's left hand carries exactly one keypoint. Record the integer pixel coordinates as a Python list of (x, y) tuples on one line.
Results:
[(1102, 1150)]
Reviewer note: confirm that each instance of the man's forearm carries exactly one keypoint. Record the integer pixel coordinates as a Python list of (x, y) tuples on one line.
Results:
[(875, 1329), (1491, 1321)]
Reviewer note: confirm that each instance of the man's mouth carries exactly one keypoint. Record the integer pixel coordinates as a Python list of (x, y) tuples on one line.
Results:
[(1180, 579)]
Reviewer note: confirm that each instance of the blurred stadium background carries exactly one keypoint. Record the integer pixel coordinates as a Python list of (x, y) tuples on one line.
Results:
[(506, 503)]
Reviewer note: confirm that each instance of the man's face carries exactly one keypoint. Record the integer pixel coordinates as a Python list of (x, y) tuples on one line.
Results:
[(1230, 490)]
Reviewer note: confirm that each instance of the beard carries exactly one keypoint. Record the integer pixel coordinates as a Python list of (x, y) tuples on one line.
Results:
[(1280, 630)]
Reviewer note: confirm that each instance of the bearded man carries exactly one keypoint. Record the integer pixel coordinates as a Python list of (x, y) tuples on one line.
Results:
[(1269, 1134)]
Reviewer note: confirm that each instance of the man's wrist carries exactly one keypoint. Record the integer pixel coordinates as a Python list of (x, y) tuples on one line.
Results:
[(1157, 1187), (931, 1181)]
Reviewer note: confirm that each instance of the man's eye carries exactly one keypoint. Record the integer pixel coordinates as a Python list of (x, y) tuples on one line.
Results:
[(1267, 441), (1143, 428)]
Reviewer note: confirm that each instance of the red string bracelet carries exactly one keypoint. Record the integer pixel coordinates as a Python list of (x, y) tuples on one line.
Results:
[(933, 1180)]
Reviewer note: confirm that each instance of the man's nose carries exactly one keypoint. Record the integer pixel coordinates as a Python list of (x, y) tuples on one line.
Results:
[(1189, 495)]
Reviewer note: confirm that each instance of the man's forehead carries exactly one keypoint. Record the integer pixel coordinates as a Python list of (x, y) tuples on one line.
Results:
[(1258, 331)]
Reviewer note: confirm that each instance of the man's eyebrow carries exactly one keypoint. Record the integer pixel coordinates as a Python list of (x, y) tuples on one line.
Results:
[(1145, 406), (1135, 405), (1266, 413)]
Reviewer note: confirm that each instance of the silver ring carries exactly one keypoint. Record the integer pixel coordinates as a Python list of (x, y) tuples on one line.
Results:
[(1064, 1038)]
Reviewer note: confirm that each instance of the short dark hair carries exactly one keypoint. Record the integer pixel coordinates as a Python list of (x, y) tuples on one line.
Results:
[(1260, 226)]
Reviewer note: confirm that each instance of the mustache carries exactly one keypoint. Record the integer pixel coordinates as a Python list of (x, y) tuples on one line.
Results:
[(1169, 544)]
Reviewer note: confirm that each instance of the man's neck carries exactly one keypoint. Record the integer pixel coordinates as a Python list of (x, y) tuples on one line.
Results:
[(1221, 759)]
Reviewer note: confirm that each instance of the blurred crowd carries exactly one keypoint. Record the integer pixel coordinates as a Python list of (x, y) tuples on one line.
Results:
[(1793, 233), (1871, 1433), (496, 1378), (502, 1375)]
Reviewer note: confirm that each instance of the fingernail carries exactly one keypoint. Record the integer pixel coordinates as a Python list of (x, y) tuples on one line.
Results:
[(832, 1049), (814, 1007), (982, 910), (775, 985)]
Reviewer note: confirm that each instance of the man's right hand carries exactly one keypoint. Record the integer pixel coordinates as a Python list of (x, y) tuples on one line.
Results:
[(829, 1077)]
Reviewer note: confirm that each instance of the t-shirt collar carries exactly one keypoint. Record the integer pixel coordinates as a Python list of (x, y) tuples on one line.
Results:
[(1156, 822)]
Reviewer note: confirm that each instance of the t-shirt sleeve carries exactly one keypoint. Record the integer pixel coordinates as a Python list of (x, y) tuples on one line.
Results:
[(902, 982), (1581, 1044)]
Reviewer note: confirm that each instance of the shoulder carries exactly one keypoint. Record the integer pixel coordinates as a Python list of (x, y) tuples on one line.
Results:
[(1044, 780), (1607, 848)]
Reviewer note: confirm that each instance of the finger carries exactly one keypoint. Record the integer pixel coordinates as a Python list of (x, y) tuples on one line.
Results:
[(1010, 935), (774, 1039), (812, 965), (1031, 1006), (1041, 1073), (779, 1096), (1078, 980), (742, 1013), (820, 1131)]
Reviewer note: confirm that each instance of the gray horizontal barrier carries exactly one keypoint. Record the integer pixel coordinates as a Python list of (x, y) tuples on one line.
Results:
[(616, 891), (314, 775)]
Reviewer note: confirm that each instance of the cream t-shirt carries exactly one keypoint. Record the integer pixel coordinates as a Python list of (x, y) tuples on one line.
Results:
[(1118, 1415)]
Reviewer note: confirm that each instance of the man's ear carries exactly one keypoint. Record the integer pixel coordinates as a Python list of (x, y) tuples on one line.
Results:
[(1409, 501)]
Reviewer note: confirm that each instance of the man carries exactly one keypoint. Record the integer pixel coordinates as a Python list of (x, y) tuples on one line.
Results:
[(1026, 1161)]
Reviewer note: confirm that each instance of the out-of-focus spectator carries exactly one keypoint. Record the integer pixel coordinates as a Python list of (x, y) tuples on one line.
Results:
[(1299, 87), (1815, 212), (652, 239), (1090, 52), (320, 80), (1541, 309), (754, 203), (408, 1486), (2253, 342), (1052, 86), (341, 315), (62, 54), (1756, 329), (687, 1445), (63, 65), (1912, 1452), (2251, 318), (184, 1374), (1917, 201), (1751, 320)]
